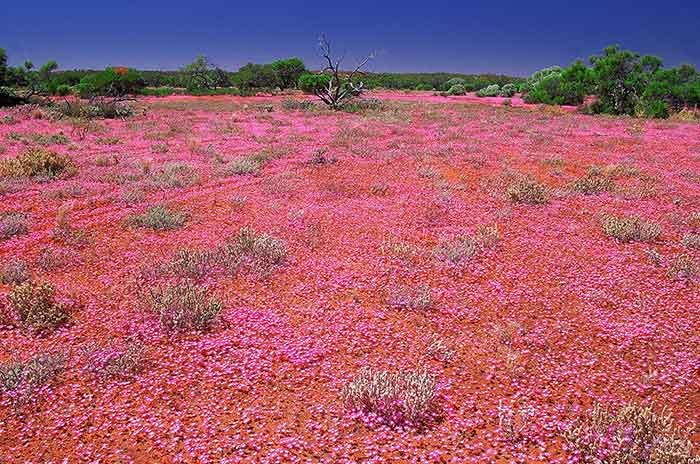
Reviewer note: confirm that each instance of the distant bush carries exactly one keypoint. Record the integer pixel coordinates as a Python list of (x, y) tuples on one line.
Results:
[(160, 91), (489, 91), (288, 71), (452, 82), (256, 76), (115, 361), (36, 308), (184, 307), (37, 162), (397, 399), (630, 229), (457, 89), (631, 434), (64, 90), (158, 218), (112, 82)]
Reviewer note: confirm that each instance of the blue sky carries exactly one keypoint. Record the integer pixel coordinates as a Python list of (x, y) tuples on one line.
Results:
[(499, 36)]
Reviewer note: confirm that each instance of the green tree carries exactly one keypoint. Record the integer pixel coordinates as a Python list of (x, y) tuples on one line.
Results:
[(116, 82), (198, 74), (3, 67), (256, 76), (288, 71)]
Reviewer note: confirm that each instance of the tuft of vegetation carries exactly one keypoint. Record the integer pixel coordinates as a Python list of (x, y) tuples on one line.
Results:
[(527, 191), (36, 308), (117, 361), (462, 248), (158, 218), (457, 89), (419, 298), (630, 228), (177, 175), (242, 166), (184, 307), (13, 271), (21, 381), (257, 251), (684, 268), (631, 434), (593, 183), (13, 224), (405, 398), (37, 162), (493, 90)]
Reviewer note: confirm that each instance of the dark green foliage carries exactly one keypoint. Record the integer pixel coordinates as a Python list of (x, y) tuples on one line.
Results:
[(3, 67), (557, 86), (197, 75), (256, 76), (621, 77), (112, 82), (310, 83), (288, 71), (457, 89)]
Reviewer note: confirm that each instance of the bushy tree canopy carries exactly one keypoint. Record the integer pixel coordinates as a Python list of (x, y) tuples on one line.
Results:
[(288, 71)]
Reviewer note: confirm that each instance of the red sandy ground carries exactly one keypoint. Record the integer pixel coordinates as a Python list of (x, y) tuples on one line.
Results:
[(593, 318)]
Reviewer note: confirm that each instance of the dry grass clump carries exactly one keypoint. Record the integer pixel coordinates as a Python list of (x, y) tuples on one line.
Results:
[(417, 298), (259, 252), (21, 381), (630, 228), (36, 308), (184, 307), (13, 271), (158, 218), (13, 224), (405, 398), (683, 267), (37, 162), (176, 175), (527, 191), (462, 248), (630, 435)]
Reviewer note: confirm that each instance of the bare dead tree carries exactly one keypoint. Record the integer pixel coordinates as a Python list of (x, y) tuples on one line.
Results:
[(340, 87)]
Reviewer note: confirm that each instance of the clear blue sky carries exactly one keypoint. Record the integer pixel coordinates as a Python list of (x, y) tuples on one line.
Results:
[(496, 36)]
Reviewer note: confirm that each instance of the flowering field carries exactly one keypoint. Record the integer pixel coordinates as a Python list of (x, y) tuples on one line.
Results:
[(225, 279)]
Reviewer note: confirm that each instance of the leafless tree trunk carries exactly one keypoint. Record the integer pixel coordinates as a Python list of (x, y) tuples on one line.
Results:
[(340, 87)]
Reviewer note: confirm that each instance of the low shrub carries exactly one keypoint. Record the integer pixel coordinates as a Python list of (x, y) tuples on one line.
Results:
[(13, 224), (37, 162), (691, 240), (35, 307), (184, 307), (241, 167), (418, 298), (684, 268), (462, 248), (13, 271), (257, 251), (527, 191), (631, 434), (21, 381), (406, 398), (630, 229), (291, 104), (593, 184), (158, 218), (177, 175), (117, 361), (192, 263)]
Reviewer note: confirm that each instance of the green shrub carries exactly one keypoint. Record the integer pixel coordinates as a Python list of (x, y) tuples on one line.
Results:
[(452, 82), (64, 90), (457, 89), (508, 90), (112, 82), (158, 218), (36, 308), (490, 91), (288, 71), (257, 251)]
